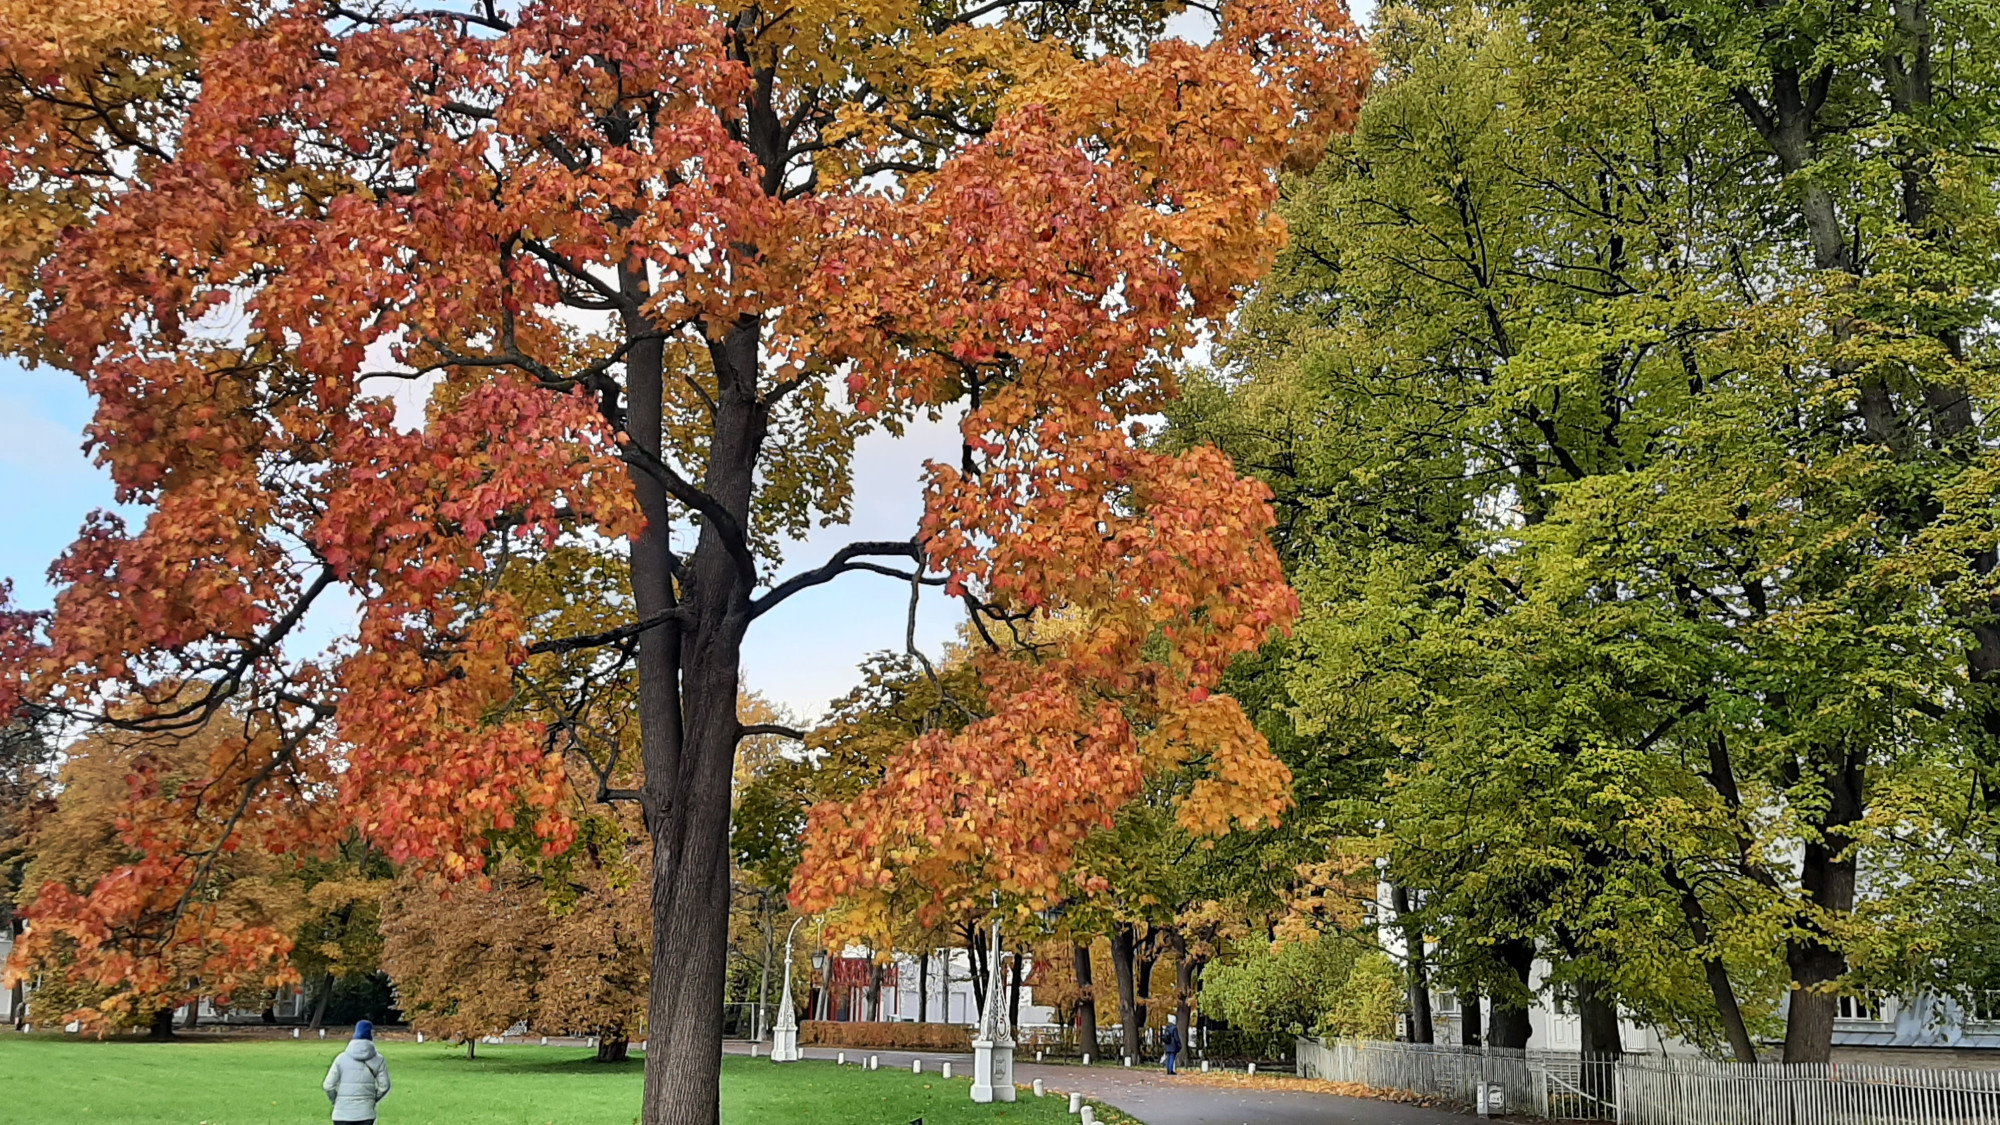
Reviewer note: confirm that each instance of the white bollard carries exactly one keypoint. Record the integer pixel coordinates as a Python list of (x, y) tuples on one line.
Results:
[(916, 1066), (1039, 1092), (1253, 1070), (545, 1040), (753, 1050), (1038, 1056), (1086, 1058), (295, 1033), (1089, 1116), (322, 1033), (642, 1044), (1075, 1104), (874, 1062), (1204, 1066), (944, 1071), (840, 1059), (420, 1037), (1128, 1062)]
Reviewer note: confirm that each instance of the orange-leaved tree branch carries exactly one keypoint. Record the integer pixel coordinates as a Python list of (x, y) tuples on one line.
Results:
[(649, 268)]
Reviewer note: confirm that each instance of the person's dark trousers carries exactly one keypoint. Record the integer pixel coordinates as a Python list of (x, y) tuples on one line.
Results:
[(1170, 1061)]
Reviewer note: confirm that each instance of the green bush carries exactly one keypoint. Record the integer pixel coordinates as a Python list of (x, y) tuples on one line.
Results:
[(1336, 984)]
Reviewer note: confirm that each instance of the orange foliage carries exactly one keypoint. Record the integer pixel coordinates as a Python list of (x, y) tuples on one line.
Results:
[(522, 203)]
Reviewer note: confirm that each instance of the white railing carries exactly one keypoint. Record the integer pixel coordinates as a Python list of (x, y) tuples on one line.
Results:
[(1652, 1090)]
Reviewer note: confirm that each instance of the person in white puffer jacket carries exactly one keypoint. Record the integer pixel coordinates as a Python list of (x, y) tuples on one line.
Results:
[(358, 1078)]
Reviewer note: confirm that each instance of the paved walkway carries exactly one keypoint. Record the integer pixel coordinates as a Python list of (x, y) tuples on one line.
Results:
[(1156, 1099)]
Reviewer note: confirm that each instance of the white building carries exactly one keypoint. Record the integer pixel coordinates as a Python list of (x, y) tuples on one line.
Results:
[(948, 982)]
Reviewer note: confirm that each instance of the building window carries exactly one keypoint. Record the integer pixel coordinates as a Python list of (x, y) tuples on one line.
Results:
[(1985, 1007), (1864, 1008)]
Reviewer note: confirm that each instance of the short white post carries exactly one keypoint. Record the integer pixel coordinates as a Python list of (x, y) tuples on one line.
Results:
[(874, 1062), (1038, 1056), (753, 1050), (322, 1033), (295, 1033), (840, 1059), (1086, 1058), (1128, 1062), (545, 1040), (916, 1066), (420, 1037), (1204, 1066), (1039, 1092), (944, 1070), (1076, 1103), (1253, 1070), (1089, 1116)]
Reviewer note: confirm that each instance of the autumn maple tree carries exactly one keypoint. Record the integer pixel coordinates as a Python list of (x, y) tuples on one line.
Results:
[(651, 268)]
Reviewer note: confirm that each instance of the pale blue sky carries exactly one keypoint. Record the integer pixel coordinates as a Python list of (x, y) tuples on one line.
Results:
[(802, 655)]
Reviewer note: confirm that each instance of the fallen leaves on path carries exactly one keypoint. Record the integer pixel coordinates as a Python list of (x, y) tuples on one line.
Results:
[(1307, 1085)]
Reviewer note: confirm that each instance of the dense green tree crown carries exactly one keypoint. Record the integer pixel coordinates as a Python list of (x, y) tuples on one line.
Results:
[(1627, 390)]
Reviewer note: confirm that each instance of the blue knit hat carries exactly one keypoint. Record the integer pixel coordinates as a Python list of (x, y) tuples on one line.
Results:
[(364, 1030)]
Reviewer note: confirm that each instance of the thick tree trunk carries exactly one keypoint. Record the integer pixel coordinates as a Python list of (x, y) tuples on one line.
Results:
[(1597, 1017), (1130, 1016), (269, 1015), (1086, 1004), (194, 1014), (612, 1047), (162, 1026), (319, 1006), (875, 971), (1827, 876), (1511, 1027), (1598, 1020), (1417, 979), (688, 672), (1470, 1033), (471, 1047)]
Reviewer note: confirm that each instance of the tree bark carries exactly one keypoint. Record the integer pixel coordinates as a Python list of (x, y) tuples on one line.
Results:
[(612, 1047), (1014, 992), (1598, 1018), (1417, 976), (1086, 1004), (1130, 1016), (319, 1006), (924, 987), (688, 676), (1727, 1011), (1469, 1031), (975, 960), (194, 1014), (1184, 973), (1827, 875), (1511, 1026), (162, 1026), (875, 971)]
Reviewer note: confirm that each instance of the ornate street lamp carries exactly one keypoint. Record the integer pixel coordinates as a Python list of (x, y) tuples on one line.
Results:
[(785, 1036)]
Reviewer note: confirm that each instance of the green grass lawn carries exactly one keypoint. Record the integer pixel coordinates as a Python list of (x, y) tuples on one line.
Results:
[(47, 1080)]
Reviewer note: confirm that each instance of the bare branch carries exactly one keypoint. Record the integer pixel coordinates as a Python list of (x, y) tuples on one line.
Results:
[(843, 561)]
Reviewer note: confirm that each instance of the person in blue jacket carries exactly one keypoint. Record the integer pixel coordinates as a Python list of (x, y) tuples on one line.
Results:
[(1170, 1042), (358, 1079)]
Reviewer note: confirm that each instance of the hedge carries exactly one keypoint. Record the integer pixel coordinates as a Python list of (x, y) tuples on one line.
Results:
[(886, 1036)]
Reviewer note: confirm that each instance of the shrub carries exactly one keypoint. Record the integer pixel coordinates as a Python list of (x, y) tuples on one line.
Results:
[(886, 1036)]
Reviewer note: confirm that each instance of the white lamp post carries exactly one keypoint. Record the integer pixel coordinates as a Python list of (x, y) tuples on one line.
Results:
[(785, 1036)]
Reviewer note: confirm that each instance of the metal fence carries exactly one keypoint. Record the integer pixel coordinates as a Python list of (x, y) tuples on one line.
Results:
[(1653, 1090)]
